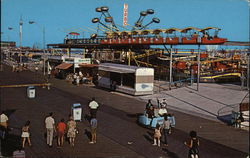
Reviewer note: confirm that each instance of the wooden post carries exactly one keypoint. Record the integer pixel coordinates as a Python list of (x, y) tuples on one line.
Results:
[(129, 54)]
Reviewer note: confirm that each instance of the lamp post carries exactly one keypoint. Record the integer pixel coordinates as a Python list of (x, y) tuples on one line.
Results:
[(21, 31), (171, 67), (248, 58), (9, 28), (1, 64), (43, 31)]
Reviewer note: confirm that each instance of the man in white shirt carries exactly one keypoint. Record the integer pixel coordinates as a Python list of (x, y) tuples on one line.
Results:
[(93, 105), (3, 125), (162, 111), (4, 120), (164, 103), (50, 126)]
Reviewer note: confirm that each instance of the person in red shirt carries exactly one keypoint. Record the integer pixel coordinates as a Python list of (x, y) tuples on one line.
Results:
[(61, 126)]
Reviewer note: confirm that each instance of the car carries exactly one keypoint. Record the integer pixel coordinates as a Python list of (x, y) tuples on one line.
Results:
[(149, 123)]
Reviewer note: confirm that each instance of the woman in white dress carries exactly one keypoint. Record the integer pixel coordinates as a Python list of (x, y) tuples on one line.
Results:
[(25, 133)]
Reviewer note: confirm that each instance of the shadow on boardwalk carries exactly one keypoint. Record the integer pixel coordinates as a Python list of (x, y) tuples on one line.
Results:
[(9, 144)]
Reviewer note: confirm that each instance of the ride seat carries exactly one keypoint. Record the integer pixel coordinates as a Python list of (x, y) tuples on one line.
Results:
[(143, 119)]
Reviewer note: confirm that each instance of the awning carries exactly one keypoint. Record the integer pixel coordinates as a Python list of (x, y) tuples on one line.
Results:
[(157, 31), (63, 66), (171, 30), (88, 65), (209, 28), (120, 71), (185, 30), (74, 33), (118, 68)]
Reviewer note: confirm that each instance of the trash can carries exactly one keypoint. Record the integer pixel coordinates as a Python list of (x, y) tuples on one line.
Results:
[(77, 111), (31, 92)]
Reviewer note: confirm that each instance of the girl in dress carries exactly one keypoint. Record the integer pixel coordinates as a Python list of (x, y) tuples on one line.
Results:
[(157, 135), (26, 134)]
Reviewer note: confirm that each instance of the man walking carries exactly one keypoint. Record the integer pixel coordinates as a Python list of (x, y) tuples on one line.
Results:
[(50, 127), (166, 128), (93, 105)]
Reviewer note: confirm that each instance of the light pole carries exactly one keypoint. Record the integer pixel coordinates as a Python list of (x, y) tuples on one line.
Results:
[(1, 64), (171, 67), (21, 31), (9, 28), (248, 57), (43, 31)]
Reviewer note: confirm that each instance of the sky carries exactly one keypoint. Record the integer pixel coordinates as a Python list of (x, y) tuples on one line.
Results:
[(59, 17)]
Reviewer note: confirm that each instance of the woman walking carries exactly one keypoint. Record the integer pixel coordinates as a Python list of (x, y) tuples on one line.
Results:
[(71, 131), (26, 134), (60, 132), (193, 144)]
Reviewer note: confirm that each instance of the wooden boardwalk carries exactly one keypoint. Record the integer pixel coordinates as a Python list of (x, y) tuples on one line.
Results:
[(116, 124)]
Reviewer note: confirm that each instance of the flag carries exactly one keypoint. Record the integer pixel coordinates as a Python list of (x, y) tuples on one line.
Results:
[(125, 14)]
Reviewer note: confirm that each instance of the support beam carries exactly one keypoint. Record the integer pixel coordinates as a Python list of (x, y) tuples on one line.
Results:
[(199, 65), (129, 56)]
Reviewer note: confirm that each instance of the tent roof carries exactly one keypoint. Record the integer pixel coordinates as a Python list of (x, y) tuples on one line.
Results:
[(118, 68), (63, 66)]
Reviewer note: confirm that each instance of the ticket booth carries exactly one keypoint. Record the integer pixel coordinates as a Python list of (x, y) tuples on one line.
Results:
[(129, 79)]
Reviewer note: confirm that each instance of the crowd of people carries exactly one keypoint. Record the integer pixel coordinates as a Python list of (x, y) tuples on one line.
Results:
[(61, 130), (161, 110), (79, 78), (69, 129), (162, 131), (19, 67)]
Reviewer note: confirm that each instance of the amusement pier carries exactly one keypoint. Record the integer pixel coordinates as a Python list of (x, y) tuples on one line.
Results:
[(199, 78)]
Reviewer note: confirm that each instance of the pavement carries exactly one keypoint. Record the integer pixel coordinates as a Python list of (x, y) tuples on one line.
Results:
[(212, 101), (118, 133)]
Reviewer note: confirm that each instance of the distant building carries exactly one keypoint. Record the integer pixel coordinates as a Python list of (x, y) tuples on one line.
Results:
[(7, 44)]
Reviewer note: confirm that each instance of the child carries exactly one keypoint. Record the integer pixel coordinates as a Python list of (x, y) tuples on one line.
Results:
[(193, 145), (157, 135), (93, 127), (25, 133)]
